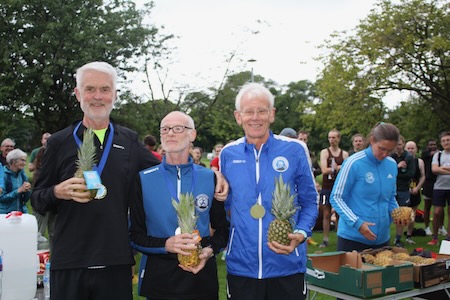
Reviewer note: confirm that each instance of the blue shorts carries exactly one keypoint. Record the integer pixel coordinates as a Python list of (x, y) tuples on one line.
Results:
[(403, 198), (441, 197)]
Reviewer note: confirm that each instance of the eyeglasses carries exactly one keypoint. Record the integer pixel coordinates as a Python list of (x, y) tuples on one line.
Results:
[(175, 129), (385, 150), (259, 112)]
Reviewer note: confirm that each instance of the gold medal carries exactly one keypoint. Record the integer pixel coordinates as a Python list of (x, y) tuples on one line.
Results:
[(101, 192), (257, 211)]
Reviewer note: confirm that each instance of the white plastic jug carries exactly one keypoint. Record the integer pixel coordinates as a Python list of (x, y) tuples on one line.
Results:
[(18, 240)]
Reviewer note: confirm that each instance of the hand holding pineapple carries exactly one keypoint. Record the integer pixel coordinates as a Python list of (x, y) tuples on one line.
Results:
[(295, 240), (182, 243), (73, 189), (403, 215), (188, 254)]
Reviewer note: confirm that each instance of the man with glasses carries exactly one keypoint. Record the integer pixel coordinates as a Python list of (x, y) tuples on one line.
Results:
[(257, 268), (154, 226), (6, 147)]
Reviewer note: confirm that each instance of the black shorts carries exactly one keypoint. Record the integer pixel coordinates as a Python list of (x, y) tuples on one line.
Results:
[(349, 245), (403, 198), (291, 287), (427, 189), (325, 197), (414, 199), (107, 283), (441, 197)]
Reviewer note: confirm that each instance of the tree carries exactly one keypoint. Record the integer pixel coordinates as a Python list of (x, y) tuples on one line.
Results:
[(44, 42), (292, 103), (402, 46), (406, 117)]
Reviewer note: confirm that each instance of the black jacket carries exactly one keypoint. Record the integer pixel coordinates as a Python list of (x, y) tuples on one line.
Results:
[(94, 233)]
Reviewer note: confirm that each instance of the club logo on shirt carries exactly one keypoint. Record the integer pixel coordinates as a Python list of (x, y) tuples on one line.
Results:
[(369, 177), (280, 164), (201, 202)]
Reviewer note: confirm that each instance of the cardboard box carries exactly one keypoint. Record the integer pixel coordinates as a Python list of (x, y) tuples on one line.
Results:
[(425, 275), (429, 275), (345, 272)]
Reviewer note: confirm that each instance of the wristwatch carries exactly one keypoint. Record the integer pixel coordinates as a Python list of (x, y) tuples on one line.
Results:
[(303, 233)]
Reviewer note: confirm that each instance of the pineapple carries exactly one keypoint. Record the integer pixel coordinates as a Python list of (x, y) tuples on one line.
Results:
[(387, 253), (403, 213), (368, 258), (382, 260), (418, 260), (86, 156), (283, 209), (401, 256), (187, 220)]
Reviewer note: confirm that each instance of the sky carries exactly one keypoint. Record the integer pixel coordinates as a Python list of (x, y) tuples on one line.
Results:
[(282, 36)]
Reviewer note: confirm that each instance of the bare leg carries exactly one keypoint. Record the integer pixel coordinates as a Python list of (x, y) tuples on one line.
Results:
[(426, 211), (326, 209), (437, 219)]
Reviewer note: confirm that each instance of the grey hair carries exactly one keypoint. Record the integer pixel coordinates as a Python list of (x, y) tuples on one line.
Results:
[(8, 140), (15, 155), (255, 89), (99, 66)]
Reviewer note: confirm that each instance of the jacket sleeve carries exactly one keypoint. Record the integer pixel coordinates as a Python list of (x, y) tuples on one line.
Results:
[(221, 226), (8, 197), (138, 230), (42, 197), (2, 177), (307, 196), (342, 188)]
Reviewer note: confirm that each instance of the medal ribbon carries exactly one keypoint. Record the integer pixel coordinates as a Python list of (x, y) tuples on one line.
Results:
[(172, 190), (105, 154), (258, 181)]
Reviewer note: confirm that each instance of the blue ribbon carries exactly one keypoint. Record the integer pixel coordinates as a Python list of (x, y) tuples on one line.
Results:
[(105, 154)]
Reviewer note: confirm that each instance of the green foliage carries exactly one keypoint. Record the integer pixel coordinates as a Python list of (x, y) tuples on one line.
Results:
[(44, 42), (293, 104), (402, 46), (417, 121), (213, 112), (143, 117)]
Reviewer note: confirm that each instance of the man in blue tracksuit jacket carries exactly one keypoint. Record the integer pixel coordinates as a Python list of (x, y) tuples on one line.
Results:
[(154, 221), (256, 268)]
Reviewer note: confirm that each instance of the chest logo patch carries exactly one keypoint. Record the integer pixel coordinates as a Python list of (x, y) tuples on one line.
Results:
[(369, 177), (201, 202), (280, 164)]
